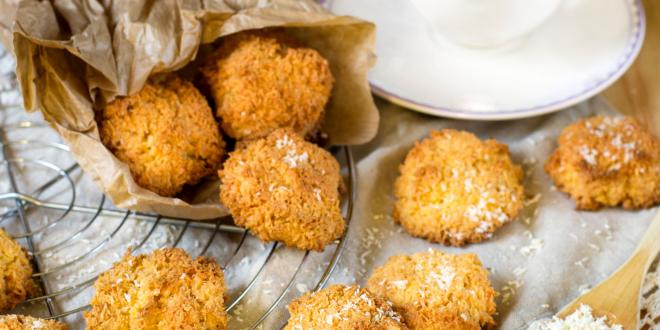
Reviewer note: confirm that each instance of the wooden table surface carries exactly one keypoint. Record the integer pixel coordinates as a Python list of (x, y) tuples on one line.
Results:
[(638, 91)]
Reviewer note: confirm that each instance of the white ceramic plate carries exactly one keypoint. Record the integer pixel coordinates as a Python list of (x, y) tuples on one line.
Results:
[(583, 48)]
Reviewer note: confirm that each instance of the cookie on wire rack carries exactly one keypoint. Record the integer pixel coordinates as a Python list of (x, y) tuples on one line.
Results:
[(283, 188), (607, 161), (16, 283), (342, 307), (434, 290), (455, 189), (264, 80), (24, 322), (165, 289)]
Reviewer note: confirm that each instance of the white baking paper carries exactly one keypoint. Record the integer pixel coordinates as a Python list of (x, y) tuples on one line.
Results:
[(540, 262)]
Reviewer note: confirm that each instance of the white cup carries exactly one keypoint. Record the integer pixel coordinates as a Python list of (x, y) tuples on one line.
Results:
[(485, 23)]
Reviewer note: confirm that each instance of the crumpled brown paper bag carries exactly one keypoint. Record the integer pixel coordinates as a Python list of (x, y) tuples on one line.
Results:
[(74, 55), (7, 13)]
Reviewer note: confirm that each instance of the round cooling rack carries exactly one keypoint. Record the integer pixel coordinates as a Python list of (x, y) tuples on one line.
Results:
[(74, 233)]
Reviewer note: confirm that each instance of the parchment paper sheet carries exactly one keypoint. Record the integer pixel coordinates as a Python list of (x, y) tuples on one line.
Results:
[(540, 262), (574, 250), (541, 265), (73, 56)]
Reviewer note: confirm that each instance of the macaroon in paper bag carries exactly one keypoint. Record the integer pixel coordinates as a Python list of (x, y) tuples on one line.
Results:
[(75, 57)]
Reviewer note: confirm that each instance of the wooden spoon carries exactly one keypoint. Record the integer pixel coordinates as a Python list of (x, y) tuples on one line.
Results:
[(618, 296)]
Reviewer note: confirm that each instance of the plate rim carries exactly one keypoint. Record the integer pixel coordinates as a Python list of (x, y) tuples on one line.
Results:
[(548, 107)]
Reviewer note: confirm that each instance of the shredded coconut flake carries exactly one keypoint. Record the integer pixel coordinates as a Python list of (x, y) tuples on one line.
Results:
[(37, 324), (535, 244), (589, 155), (582, 262), (293, 159), (581, 319), (283, 142), (533, 199), (444, 279), (468, 184), (400, 284), (301, 288)]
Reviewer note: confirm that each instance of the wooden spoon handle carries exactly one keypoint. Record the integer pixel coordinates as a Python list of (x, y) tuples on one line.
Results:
[(649, 246)]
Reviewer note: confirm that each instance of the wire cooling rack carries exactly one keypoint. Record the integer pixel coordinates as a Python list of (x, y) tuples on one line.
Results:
[(73, 233)]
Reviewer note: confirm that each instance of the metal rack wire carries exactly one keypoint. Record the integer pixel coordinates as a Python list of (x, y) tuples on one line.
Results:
[(57, 192)]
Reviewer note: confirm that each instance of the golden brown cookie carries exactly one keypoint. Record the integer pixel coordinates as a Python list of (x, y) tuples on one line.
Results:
[(16, 283), (166, 134), (455, 189), (607, 161), (434, 290), (24, 322), (166, 289), (344, 308), (261, 81), (283, 188)]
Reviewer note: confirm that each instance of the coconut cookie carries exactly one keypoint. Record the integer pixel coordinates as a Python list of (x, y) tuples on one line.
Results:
[(455, 189), (262, 81), (166, 133), (16, 283), (166, 289), (607, 161), (342, 307), (434, 290), (283, 188), (24, 322)]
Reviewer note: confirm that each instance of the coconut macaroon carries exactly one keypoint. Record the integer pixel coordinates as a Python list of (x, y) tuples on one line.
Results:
[(262, 81), (166, 133), (24, 322), (455, 189), (283, 188), (607, 161), (166, 289), (434, 290), (342, 307), (16, 283)]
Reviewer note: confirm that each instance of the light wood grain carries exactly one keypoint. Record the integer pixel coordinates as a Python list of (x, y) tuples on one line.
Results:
[(618, 296), (638, 92)]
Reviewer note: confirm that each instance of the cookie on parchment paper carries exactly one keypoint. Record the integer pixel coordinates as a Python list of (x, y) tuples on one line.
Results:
[(342, 307), (607, 161), (456, 189), (435, 290)]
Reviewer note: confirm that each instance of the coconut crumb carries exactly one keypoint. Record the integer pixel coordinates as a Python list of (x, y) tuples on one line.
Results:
[(534, 199), (302, 288), (581, 319), (293, 159), (535, 245), (284, 141), (589, 155), (582, 262)]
